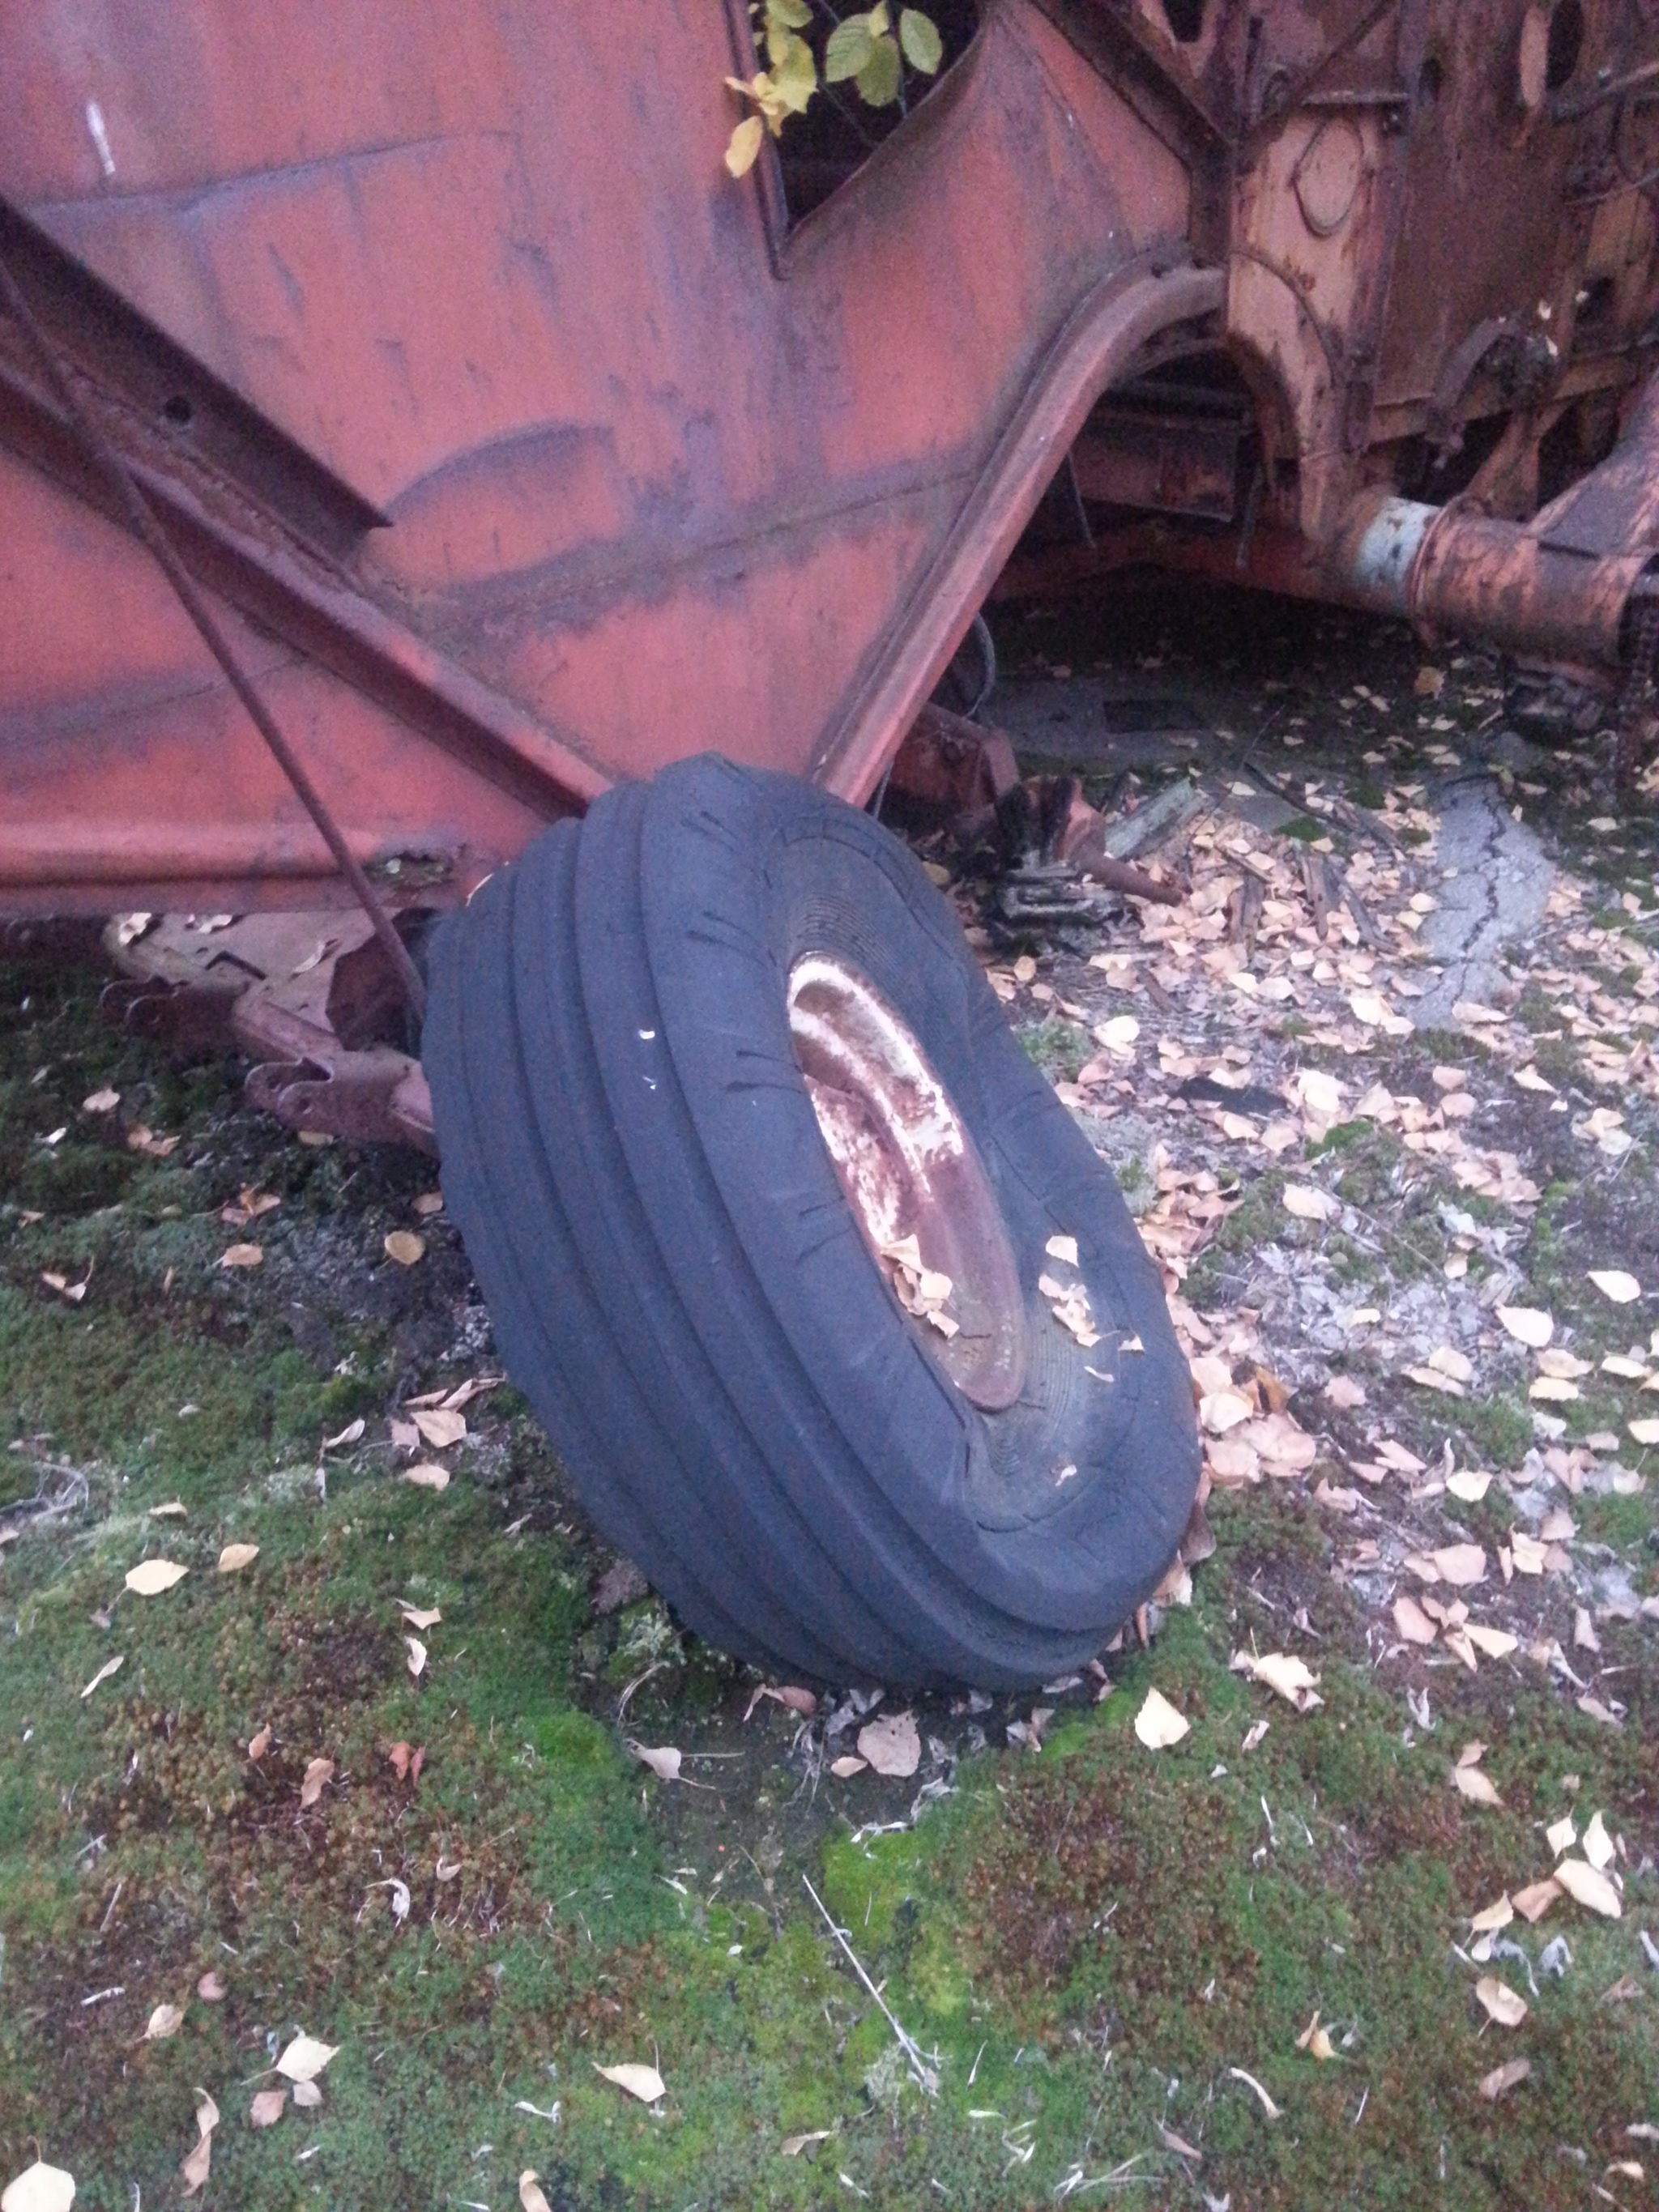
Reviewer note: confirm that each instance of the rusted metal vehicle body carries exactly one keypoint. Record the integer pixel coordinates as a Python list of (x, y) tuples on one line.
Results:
[(520, 448)]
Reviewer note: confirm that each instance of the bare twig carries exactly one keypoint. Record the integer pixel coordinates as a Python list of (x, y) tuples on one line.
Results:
[(925, 2076), (71, 1494), (638, 1683)]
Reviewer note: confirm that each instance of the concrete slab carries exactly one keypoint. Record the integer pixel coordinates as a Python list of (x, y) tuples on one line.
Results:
[(1497, 897)]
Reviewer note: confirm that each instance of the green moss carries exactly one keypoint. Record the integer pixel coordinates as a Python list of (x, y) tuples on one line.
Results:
[(1625, 1522), (1498, 1429), (18, 1812), (1059, 1047), (1258, 1219), (344, 1397), (73, 1178)]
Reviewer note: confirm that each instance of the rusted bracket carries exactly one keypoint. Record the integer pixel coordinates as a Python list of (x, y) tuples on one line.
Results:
[(1303, 86), (309, 997), (947, 761)]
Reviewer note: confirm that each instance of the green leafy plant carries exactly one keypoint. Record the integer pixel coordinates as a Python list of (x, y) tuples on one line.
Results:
[(864, 50)]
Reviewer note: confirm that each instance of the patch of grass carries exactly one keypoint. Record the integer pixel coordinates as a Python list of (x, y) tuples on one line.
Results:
[(1346, 1137), (1537, 1011), (1256, 1220), (1132, 1176), (1059, 1047), (1497, 1429), (1624, 1523)]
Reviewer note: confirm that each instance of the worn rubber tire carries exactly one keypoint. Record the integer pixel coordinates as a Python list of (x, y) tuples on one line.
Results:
[(680, 1287)]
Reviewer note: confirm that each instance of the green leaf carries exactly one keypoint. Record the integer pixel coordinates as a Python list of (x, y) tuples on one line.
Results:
[(848, 51), (795, 75), (744, 145), (878, 80), (924, 49), (795, 13)]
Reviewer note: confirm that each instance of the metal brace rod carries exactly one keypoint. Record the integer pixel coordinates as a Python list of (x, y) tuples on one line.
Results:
[(111, 465)]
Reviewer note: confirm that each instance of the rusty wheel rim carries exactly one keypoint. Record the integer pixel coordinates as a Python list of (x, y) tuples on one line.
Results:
[(913, 1178)]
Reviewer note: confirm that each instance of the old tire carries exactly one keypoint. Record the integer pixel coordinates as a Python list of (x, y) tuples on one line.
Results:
[(681, 1286)]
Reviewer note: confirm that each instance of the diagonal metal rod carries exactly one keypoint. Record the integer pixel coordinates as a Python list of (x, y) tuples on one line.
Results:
[(119, 477)]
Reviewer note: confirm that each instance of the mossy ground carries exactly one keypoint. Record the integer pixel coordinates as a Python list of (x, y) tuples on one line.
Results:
[(1087, 1941)]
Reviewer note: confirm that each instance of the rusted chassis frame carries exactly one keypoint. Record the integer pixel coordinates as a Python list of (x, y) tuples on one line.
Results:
[(518, 448)]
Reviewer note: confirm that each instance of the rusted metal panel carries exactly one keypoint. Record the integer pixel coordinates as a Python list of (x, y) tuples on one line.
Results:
[(951, 763), (1167, 463)]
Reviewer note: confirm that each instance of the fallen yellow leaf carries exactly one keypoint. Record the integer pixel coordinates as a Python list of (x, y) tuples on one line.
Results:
[(151, 1576), (1500, 2002), (1528, 1325), (1590, 1887), (1157, 1724), (305, 2056), (40, 2188), (1504, 2077), (319, 1772), (641, 2081), (1474, 1786)]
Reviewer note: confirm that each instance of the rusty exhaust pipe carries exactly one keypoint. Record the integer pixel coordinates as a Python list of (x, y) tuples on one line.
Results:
[(1564, 586), (1451, 569)]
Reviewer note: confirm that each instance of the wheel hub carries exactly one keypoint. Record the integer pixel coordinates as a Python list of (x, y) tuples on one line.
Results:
[(916, 1183)]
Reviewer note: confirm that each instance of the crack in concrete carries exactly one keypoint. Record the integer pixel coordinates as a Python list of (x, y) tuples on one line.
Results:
[(1496, 885)]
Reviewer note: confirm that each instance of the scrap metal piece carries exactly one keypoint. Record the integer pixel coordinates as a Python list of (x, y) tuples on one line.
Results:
[(309, 997), (948, 760)]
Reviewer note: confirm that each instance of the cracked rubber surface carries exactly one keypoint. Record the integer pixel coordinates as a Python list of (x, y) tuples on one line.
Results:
[(679, 1286)]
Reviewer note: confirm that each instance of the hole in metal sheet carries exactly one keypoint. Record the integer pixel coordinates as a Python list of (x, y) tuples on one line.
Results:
[(1566, 43), (1185, 18)]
